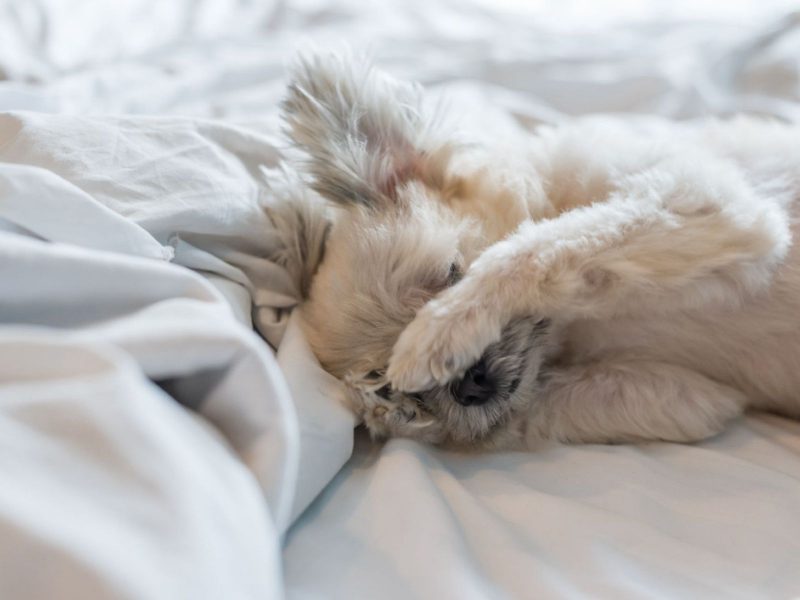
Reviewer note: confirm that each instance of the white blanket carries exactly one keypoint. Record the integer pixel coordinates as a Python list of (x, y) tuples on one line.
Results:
[(152, 445)]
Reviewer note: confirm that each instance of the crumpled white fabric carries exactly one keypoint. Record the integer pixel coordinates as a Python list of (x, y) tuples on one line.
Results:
[(712, 520), (97, 215), (194, 187), (110, 486), (112, 490)]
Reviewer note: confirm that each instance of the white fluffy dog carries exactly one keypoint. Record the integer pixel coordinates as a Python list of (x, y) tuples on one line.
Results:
[(601, 285)]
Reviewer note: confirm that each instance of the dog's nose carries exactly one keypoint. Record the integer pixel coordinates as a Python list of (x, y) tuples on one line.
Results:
[(476, 387)]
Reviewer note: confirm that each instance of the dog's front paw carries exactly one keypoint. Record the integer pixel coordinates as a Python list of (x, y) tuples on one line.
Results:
[(443, 340)]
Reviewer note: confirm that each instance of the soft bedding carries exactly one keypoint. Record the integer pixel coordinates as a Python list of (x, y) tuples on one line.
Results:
[(154, 446)]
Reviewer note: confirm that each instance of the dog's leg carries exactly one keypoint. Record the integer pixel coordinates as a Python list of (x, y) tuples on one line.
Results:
[(675, 237), (628, 400)]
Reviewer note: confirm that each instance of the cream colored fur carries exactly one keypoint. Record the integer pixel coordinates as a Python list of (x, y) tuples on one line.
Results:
[(657, 265)]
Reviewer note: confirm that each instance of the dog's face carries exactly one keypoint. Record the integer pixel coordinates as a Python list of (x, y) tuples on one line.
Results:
[(379, 269), (406, 227)]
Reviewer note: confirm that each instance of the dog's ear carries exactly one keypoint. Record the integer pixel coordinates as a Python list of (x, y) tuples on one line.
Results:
[(302, 222), (364, 133)]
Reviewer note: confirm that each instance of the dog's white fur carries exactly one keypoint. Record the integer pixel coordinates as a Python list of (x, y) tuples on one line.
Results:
[(662, 261)]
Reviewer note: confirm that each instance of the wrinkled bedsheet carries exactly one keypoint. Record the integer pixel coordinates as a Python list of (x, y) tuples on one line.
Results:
[(155, 446)]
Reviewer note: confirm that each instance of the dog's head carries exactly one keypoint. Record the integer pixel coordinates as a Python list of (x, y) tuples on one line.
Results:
[(404, 226)]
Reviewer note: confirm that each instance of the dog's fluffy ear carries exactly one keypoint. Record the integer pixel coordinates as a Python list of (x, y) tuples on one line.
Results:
[(302, 222), (364, 133)]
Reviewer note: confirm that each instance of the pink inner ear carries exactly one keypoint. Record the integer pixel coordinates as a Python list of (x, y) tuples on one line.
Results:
[(406, 169)]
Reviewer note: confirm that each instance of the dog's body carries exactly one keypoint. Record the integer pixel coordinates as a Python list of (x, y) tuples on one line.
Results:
[(615, 285)]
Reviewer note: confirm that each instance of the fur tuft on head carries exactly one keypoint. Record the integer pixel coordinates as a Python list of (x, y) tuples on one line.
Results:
[(365, 134)]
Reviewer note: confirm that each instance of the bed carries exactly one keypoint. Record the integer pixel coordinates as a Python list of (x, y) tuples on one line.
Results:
[(165, 431)]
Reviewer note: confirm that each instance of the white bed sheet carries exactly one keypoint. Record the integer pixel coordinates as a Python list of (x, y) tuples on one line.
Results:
[(102, 215)]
